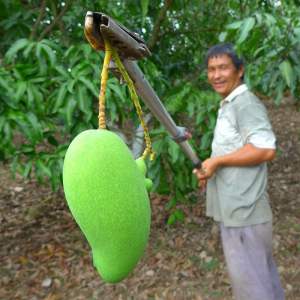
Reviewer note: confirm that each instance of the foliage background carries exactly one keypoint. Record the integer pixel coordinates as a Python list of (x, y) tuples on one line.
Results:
[(49, 76)]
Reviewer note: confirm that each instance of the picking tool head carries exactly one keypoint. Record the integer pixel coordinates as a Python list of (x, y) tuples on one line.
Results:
[(99, 26)]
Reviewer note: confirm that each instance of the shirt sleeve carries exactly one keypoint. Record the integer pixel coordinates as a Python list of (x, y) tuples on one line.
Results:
[(255, 127)]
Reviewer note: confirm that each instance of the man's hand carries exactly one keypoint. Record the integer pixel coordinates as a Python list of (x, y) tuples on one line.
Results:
[(209, 167)]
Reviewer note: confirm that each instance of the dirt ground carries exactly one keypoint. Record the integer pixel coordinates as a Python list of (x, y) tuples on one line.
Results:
[(43, 254)]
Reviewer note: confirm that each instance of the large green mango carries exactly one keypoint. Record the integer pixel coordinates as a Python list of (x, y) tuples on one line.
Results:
[(106, 193)]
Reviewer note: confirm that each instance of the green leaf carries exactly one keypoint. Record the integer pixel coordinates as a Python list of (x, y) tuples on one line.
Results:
[(179, 215), (158, 145), (71, 104), (60, 98), (89, 85), (30, 95), (171, 203), (145, 5), (235, 25), (206, 140), (52, 140), (191, 109), (26, 130), (269, 19), (171, 219), (173, 150), (27, 149), (35, 125), (118, 90), (62, 71), (21, 88), (16, 46), (247, 26), (41, 59), (50, 53), (83, 102), (211, 265), (38, 49), (42, 169), (5, 84), (55, 180), (297, 33), (212, 117), (70, 86), (39, 80), (14, 165), (28, 49), (259, 18), (81, 70), (279, 92), (27, 169), (38, 98), (259, 50), (180, 182), (222, 36), (200, 117), (2, 122), (287, 73), (8, 131)]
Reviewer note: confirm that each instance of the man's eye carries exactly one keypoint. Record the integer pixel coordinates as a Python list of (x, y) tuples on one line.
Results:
[(223, 67)]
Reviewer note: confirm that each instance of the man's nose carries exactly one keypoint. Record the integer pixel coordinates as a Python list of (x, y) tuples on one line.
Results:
[(216, 74)]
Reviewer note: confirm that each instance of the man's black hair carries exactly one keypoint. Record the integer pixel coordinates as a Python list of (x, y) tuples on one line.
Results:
[(225, 48)]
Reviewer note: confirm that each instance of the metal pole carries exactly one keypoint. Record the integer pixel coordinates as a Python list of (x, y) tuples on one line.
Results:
[(148, 95)]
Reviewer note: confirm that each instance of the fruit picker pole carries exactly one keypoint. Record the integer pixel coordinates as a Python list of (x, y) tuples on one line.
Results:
[(150, 98), (131, 47)]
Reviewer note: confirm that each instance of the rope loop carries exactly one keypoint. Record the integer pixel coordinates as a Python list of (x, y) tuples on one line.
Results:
[(112, 53)]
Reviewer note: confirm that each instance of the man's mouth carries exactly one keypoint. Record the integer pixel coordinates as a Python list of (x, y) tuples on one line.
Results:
[(218, 84)]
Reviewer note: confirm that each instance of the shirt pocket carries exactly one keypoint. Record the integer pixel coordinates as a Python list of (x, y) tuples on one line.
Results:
[(226, 133)]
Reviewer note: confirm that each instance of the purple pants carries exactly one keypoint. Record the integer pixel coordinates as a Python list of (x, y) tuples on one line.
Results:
[(252, 270)]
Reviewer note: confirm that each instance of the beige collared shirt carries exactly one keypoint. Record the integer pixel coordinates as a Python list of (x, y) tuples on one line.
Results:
[(237, 196)]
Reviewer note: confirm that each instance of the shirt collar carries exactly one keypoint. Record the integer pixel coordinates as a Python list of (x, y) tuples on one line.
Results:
[(237, 91)]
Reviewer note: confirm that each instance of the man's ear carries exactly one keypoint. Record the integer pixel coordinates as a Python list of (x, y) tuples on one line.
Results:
[(241, 72)]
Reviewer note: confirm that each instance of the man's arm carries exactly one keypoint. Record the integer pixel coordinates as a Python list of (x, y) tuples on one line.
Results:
[(248, 155)]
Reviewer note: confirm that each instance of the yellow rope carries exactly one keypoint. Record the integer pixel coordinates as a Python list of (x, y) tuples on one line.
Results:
[(110, 52), (134, 97), (104, 76)]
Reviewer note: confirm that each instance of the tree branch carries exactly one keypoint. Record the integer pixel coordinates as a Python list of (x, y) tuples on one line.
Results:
[(55, 21), (156, 30), (60, 22), (38, 20)]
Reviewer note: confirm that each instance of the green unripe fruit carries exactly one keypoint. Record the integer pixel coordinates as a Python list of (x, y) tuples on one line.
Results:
[(149, 184), (106, 194), (143, 169), (140, 162)]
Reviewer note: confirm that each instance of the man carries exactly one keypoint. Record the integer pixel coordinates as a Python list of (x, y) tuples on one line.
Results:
[(236, 179)]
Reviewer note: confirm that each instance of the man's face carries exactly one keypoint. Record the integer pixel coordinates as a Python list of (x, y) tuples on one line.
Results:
[(223, 75)]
